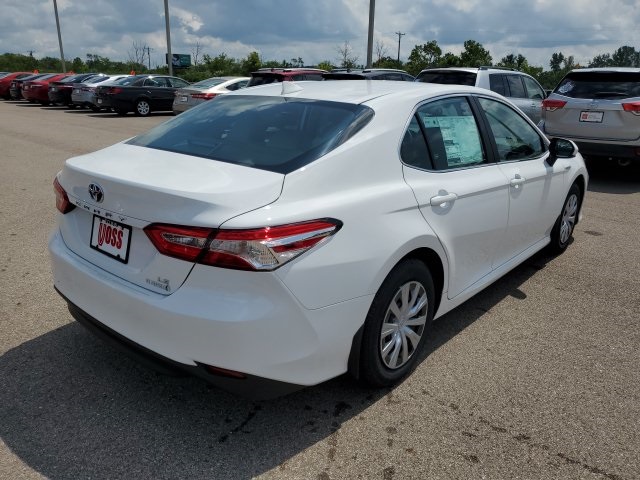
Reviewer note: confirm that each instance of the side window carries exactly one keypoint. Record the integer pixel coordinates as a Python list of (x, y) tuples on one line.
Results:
[(313, 76), (177, 82), (298, 77), (533, 89), (413, 149), (515, 138), (496, 83), (516, 86), (453, 138)]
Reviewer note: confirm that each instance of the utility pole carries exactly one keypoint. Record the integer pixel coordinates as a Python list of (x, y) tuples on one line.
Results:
[(399, 37), (166, 20), (372, 10), (149, 57), (55, 9)]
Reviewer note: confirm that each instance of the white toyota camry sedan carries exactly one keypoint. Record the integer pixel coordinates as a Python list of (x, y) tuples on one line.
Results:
[(283, 235)]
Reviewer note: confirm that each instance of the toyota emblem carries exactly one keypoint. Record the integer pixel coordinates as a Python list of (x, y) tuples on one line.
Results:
[(96, 193)]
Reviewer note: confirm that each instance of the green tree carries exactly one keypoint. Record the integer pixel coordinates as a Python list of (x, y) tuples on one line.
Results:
[(326, 65), (603, 60), (251, 63), (423, 56), (557, 58), (221, 65), (450, 60), (626, 57), (387, 62), (77, 65), (474, 55)]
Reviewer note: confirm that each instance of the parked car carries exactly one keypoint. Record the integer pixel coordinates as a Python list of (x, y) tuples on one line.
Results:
[(599, 109), (141, 94), (283, 235), (15, 89), (200, 92), (270, 75), (368, 74), (60, 91), (522, 89), (83, 94), (5, 82), (38, 90)]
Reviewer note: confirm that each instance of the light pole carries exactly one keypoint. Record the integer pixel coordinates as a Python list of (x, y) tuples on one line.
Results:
[(372, 10), (55, 9), (166, 20)]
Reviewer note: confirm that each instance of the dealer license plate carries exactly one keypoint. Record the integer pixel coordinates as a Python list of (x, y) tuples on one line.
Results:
[(594, 117), (183, 98), (111, 238), (99, 100)]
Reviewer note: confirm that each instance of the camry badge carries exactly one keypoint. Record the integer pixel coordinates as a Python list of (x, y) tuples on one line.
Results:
[(96, 193)]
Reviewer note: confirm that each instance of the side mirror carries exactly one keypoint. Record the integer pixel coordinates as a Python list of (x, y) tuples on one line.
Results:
[(561, 148)]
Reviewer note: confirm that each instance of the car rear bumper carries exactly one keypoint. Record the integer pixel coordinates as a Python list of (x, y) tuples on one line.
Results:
[(246, 322), (609, 151)]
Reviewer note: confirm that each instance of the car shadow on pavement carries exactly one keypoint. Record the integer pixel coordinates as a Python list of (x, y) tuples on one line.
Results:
[(73, 407), (608, 177)]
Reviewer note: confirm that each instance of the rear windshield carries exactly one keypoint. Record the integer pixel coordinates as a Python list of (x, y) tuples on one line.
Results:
[(607, 85), (208, 83), (263, 79), (270, 133), (448, 78)]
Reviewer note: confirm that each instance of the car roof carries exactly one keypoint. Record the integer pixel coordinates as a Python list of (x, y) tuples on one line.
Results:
[(607, 69), (356, 92)]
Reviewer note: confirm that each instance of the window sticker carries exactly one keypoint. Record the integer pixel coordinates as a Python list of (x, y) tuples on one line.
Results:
[(461, 139), (566, 87)]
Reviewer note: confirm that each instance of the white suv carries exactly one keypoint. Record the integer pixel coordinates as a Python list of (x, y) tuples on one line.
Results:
[(521, 89)]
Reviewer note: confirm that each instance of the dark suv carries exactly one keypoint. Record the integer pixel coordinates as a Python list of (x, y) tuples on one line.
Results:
[(521, 89), (369, 74), (599, 109), (271, 75)]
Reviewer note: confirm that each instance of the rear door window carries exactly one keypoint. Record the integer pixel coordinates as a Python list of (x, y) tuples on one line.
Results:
[(534, 91), (496, 83), (453, 137), (516, 87)]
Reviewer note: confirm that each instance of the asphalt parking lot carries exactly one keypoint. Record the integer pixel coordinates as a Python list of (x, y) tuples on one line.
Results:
[(534, 378)]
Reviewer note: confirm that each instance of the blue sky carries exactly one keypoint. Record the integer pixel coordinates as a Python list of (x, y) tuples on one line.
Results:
[(316, 29)]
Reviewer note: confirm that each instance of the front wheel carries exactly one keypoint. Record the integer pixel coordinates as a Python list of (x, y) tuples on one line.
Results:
[(143, 108), (563, 228), (396, 324)]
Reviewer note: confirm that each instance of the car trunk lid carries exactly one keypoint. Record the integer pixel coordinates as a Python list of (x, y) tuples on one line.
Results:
[(140, 186)]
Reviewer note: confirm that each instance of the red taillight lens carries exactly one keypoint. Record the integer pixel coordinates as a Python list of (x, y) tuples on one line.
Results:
[(633, 107), (252, 249), (203, 96), (62, 200), (185, 243), (552, 105), (113, 90)]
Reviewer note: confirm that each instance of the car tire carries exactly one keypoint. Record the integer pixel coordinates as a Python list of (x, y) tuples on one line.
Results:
[(120, 111), (143, 108), (562, 231), (396, 325), (94, 108)]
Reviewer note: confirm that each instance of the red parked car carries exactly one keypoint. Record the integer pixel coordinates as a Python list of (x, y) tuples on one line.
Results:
[(5, 83), (38, 90)]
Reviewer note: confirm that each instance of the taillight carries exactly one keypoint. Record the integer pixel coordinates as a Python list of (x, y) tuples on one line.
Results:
[(250, 249), (633, 107), (552, 105), (203, 96), (62, 200), (113, 90)]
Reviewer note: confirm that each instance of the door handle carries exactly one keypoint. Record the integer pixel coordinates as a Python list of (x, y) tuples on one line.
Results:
[(517, 181), (442, 200)]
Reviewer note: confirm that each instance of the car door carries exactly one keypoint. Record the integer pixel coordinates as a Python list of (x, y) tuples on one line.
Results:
[(161, 93), (535, 94), (535, 188), (461, 192)]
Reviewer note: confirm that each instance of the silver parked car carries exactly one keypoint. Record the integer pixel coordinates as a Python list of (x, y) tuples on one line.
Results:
[(197, 93), (599, 109), (521, 89), (84, 93)]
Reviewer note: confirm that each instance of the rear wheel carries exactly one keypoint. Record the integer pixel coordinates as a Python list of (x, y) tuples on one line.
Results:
[(142, 108), (396, 324), (563, 229)]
